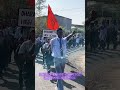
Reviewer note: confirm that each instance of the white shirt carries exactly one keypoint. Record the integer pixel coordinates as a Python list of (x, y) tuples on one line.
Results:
[(46, 45), (38, 40), (103, 33), (18, 33), (55, 47), (77, 40)]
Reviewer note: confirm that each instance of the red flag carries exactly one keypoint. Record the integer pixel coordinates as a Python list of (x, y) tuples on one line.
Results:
[(52, 22)]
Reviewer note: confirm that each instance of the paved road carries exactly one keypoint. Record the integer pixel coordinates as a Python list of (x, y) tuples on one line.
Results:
[(77, 84), (10, 79), (103, 70)]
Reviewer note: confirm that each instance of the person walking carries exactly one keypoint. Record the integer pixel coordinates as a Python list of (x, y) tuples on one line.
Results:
[(47, 55), (103, 35), (19, 62), (108, 38), (114, 34), (92, 37), (77, 41), (26, 52), (58, 48), (3, 53)]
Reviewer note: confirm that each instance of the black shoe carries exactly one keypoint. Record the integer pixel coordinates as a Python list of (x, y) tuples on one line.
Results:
[(48, 71)]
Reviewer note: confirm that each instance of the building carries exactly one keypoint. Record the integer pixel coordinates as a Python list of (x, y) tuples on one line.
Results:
[(79, 27), (65, 23), (104, 8)]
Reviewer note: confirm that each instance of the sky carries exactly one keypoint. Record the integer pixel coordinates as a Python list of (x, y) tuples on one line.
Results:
[(73, 9)]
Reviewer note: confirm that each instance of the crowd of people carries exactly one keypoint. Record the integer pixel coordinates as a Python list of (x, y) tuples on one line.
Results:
[(54, 50), (102, 35), (43, 45), (76, 41), (17, 43)]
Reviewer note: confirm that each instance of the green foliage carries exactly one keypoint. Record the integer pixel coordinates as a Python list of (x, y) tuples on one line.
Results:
[(79, 30), (39, 5), (40, 22)]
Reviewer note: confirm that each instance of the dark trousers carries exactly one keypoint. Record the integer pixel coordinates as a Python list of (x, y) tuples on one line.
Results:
[(108, 44), (2, 66), (102, 44), (49, 60), (92, 45), (20, 65), (48, 63), (29, 76), (114, 41), (3, 62)]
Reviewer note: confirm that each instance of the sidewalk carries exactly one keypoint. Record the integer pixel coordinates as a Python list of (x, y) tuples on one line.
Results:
[(77, 84)]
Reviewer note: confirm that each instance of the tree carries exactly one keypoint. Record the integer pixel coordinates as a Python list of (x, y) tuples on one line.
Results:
[(40, 25), (39, 6), (40, 22)]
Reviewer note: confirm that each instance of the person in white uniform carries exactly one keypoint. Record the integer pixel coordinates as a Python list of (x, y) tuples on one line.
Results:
[(58, 48)]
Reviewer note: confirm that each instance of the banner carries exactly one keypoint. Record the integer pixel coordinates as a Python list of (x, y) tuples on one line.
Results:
[(49, 33), (26, 18)]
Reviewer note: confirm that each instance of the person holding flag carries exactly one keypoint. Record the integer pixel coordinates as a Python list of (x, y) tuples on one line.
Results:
[(58, 46)]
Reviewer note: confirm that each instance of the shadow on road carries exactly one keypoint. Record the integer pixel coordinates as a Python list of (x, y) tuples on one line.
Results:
[(38, 61), (12, 71), (71, 65), (10, 79), (68, 85), (99, 56), (79, 79), (10, 85), (11, 76)]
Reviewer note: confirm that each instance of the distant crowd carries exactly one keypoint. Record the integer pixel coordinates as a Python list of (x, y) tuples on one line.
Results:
[(102, 35), (76, 41)]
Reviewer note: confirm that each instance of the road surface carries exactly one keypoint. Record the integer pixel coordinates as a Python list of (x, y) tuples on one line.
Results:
[(76, 58)]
